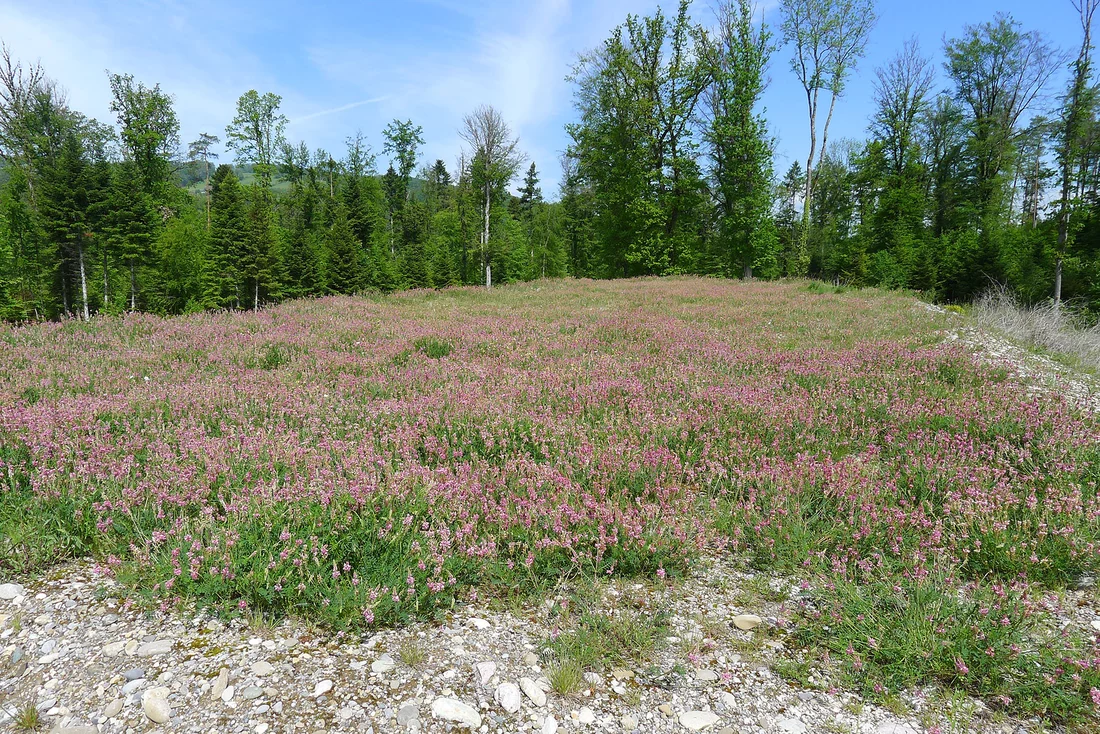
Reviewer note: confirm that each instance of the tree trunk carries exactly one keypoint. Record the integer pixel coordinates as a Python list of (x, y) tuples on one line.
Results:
[(133, 288), (747, 273), (488, 276), (804, 246), (104, 276), (485, 237), (256, 296), (83, 280)]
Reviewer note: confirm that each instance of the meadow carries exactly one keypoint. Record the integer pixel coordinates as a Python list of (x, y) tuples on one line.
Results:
[(364, 461)]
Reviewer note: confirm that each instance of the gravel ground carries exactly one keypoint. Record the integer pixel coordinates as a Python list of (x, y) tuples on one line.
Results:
[(88, 660)]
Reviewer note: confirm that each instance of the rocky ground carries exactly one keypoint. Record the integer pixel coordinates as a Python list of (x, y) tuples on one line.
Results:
[(78, 656)]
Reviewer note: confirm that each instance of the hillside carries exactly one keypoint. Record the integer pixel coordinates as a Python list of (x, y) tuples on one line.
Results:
[(772, 507)]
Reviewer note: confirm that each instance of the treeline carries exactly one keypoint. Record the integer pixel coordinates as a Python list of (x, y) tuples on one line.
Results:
[(990, 181), (670, 169), (100, 219)]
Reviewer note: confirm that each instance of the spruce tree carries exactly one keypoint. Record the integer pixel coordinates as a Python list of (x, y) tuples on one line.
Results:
[(344, 267), (222, 279)]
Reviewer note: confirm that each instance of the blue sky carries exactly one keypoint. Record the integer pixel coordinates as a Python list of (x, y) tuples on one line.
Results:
[(347, 66)]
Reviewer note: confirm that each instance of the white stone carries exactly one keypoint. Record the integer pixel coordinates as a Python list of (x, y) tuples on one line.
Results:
[(728, 700), (114, 648), (114, 708), (262, 729), (10, 591), (479, 623), (550, 725), (220, 684), (262, 668), (698, 720), (792, 726), (628, 723), (586, 715), (508, 697), (157, 647), (1096, 624), (322, 688), (706, 676), (156, 710), (384, 664), (227, 694), (747, 621), (536, 694), (449, 709), (486, 671)]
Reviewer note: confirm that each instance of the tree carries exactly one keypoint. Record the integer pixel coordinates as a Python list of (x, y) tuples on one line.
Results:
[(149, 130), (222, 279), (635, 142), (496, 156), (829, 37), (256, 133), (1078, 101), (999, 72), (344, 268), (403, 141), (738, 141), (530, 194), (200, 150)]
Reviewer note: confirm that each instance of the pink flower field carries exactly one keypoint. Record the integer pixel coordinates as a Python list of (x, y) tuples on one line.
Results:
[(368, 460)]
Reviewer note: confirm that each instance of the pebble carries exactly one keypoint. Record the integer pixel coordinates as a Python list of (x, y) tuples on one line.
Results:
[(698, 720), (747, 621), (406, 714), (262, 728), (10, 591), (486, 671), (530, 659), (586, 715), (706, 676), (220, 684), (156, 710), (114, 648), (251, 693), (383, 664), (536, 694), (481, 624), (508, 697), (227, 694), (550, 725), (134, 674), (1096, 624), (113, 709), (157, 647), (322, 688), (450, 709), (628, 723), (792, 726), (262, 668), (75, 730)]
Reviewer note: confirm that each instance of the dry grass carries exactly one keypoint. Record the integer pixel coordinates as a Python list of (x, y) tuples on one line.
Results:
[(1045, 326)]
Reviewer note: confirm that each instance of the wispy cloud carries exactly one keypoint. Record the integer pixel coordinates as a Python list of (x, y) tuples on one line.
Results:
[(335, 110)]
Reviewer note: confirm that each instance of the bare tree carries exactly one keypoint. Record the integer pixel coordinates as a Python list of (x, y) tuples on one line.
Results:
[(29, 103), (901, 92), (495, 160), (1077, 102), (829, 37)]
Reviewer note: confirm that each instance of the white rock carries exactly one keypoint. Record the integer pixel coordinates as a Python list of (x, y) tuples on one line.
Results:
[(157, 647), (114, 708), (1096, 624), (628, 723), (322, 688), (262, 729), (550, 725), (262, 668), (384, 664), (698, 720), (536, 694), (508, 697), (706, 676), (220, 684), (586, 715), (114, 648), (792, 726), (227, 694), (449, 709), (728, 700), (10, 591), (486, 671), (479, 623), (747, 621), (156, 710)]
